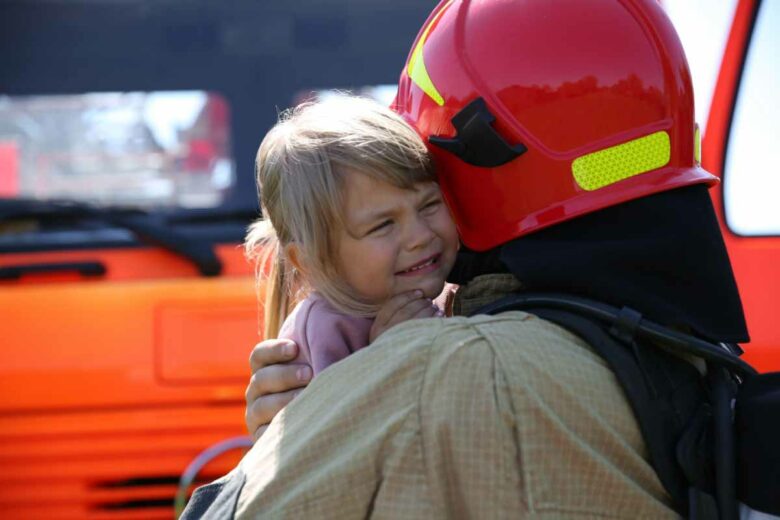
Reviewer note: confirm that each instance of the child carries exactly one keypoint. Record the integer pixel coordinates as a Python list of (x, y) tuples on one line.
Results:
[(354, 221)]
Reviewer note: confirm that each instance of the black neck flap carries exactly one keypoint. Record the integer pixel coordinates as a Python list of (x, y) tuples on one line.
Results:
[(662, 255)]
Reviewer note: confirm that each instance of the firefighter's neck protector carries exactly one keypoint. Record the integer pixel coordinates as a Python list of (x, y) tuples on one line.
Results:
[(662, 255)]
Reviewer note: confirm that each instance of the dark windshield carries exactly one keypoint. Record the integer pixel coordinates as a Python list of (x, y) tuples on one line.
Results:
[(248, 59)]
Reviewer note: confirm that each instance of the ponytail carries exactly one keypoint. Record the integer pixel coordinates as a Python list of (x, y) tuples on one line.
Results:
[(273, 276)]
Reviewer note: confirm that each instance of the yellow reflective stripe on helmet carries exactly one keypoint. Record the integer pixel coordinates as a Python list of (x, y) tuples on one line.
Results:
[(598, 169), (697, 145), (416, 69)]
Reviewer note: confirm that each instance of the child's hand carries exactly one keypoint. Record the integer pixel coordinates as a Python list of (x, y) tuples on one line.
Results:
[(274, 383), (402, 307)]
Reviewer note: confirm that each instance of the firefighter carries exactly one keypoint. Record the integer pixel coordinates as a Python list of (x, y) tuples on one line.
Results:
[(565, 143)]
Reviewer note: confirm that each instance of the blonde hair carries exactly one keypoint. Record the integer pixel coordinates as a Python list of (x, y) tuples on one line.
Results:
[(301, 166)]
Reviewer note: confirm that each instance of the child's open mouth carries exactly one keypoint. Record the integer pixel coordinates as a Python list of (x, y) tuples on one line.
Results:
[(429, 264)]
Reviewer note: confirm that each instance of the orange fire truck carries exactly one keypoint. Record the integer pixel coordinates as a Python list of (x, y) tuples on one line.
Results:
[(127, 135)]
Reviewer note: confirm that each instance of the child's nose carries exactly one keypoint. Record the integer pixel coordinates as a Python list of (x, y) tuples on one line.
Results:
[(419, 234)]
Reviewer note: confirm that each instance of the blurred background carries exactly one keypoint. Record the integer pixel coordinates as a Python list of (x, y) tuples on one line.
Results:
[(96, 92), (160, 104), (128, 130), (750, 198)]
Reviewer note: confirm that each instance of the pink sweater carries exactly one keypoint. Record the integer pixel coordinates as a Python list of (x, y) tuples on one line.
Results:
[(324, 334)]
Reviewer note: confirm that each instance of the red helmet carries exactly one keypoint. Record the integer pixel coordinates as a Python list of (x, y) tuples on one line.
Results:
[(543, 110)]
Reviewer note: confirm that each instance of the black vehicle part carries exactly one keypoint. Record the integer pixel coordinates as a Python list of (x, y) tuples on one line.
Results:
[(148, 228), (14, 272)]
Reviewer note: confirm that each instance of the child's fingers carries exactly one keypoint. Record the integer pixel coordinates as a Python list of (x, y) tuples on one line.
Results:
[(423, 309), (395, 304), (262, 410), (271, 352), (428, 311), (276, 378), (416, 308), (420, 308), (272, 384)]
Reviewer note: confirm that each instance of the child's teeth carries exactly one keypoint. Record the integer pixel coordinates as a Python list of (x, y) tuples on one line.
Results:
[(426, 264)]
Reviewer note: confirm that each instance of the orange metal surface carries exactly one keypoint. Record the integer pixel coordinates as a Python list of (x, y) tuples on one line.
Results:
[(92, 344), (107, 464), (111, 386)]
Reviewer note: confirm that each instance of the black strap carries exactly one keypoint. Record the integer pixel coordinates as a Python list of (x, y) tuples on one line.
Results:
[(646, 329), (684, 418), (626, 325), (667, 395), (657, 422)]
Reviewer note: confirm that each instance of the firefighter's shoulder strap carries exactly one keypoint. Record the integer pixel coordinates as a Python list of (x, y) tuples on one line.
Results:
[(684, 417)]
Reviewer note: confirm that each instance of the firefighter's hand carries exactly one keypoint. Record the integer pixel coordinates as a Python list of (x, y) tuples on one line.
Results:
[(402, 307), (273, 383)]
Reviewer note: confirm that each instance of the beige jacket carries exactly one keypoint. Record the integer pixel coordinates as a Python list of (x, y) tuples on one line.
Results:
[(503, 416)]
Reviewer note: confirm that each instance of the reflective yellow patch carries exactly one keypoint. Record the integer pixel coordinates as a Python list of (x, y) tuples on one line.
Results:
[(697, 145), (598, 169), (416, 68)]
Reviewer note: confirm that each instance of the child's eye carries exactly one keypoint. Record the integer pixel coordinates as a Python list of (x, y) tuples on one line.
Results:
[(431, 205), (380, 227)]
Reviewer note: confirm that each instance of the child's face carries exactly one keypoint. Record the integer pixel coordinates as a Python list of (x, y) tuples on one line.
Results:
[(395, 240)]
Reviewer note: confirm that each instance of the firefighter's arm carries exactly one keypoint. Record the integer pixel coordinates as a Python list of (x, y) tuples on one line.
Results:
[(274, 382)]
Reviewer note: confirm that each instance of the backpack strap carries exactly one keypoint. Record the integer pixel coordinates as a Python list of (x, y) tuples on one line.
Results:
[(669, 398), (643, 379)]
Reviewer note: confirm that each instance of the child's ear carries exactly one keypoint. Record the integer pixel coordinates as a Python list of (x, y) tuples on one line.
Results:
[(293, 255)]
